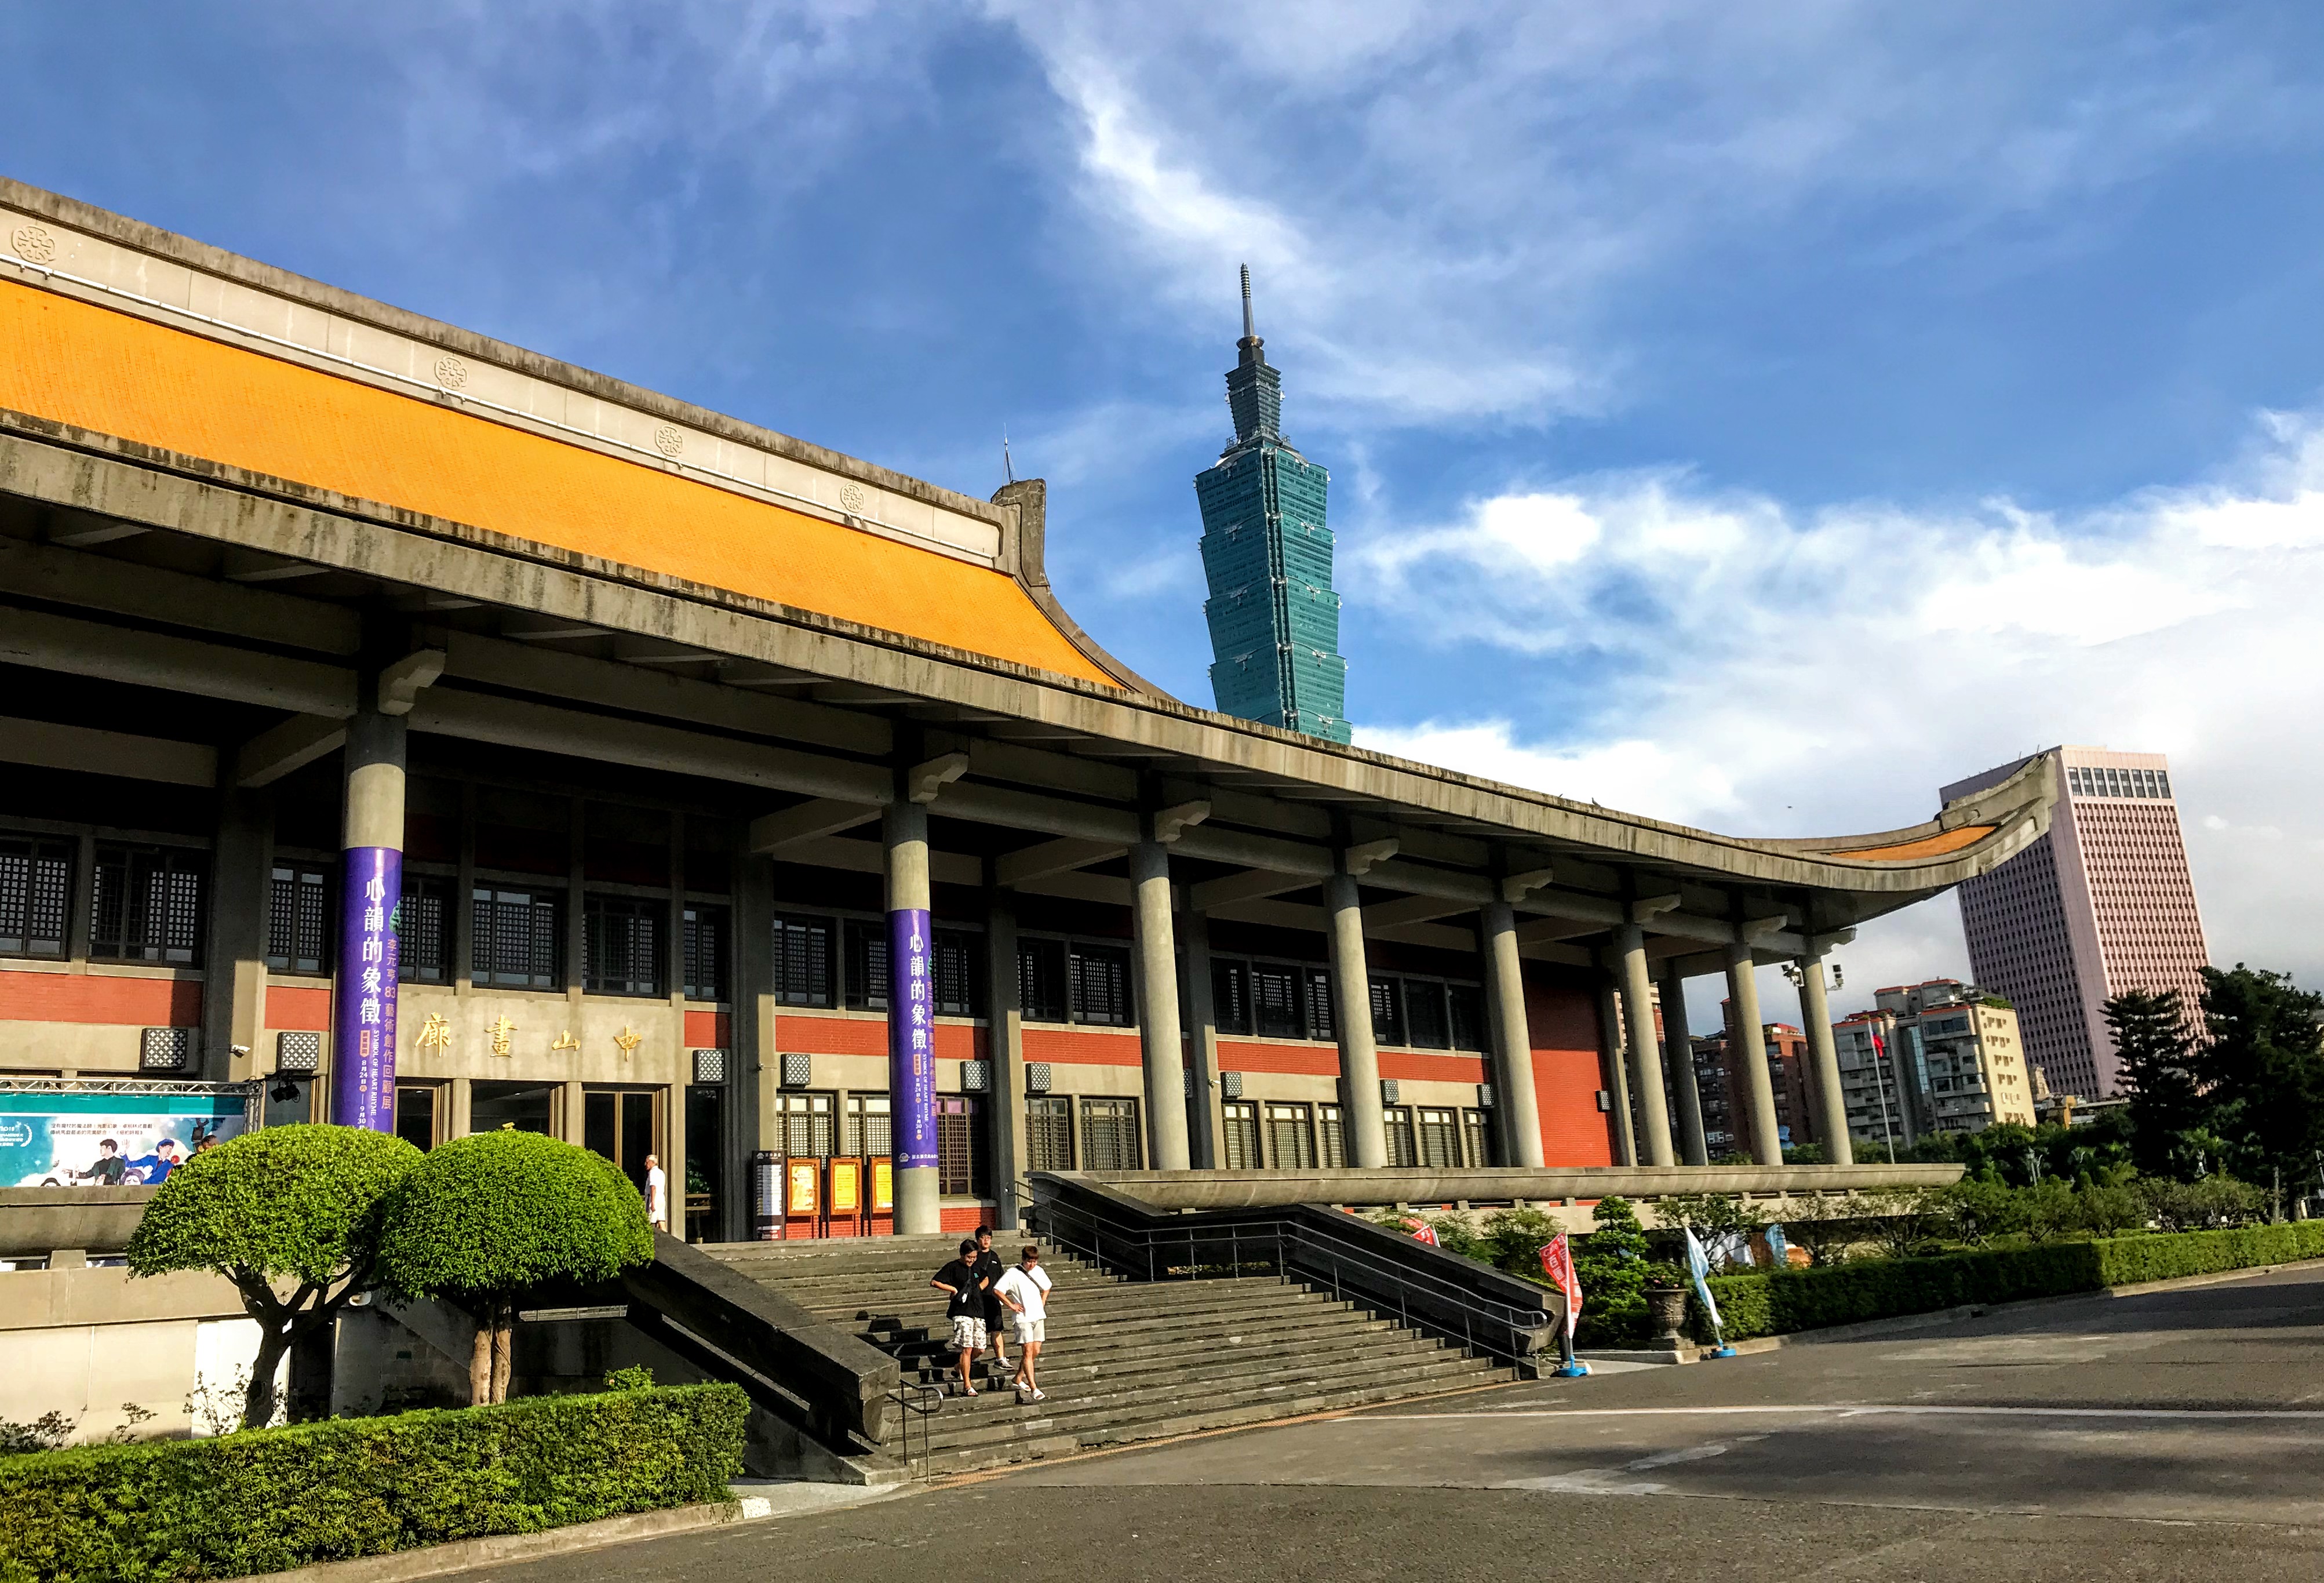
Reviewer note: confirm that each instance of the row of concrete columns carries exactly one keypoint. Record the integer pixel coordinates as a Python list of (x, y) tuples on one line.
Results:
[(1647, 1068)]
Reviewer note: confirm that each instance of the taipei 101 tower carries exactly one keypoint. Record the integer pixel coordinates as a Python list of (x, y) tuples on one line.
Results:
[(1275, 619)]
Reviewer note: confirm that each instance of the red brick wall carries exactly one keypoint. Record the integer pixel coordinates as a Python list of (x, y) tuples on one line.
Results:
[(73, 997), (289, 1007), (1253, 1055), (1083, 1047), (1566, 1072), (807, 1035)]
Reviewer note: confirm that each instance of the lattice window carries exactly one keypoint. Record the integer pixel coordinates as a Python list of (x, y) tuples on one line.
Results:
[(870, 1128), (423, 951), (35, 895), (1388, 1010), (518, 939), (1478, 1126), (1239, 1126), (803, 961), (1049, 1134), (1331, 1138), (1109, 1137), (1440, 1139), (1426, 1023), (1041, 982), (1291, 1137), (621, 945), (707, 930), (962, 1167), (1101, 986), (1275, 995), (1230, 997), (1467, 1019), (147, 902), (806, 1123), (1403, 1149), (298, 919)]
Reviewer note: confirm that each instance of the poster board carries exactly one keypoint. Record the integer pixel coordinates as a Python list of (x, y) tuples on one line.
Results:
[(52, 1135)]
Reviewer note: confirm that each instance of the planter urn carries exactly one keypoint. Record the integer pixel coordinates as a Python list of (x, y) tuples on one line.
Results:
[(1666, 1306)]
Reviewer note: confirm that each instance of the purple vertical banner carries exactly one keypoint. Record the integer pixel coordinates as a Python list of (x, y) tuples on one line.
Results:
[(363, 1002), (911, 1039)]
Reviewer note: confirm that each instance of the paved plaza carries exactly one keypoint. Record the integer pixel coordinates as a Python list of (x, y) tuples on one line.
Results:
[(2173, 1435)]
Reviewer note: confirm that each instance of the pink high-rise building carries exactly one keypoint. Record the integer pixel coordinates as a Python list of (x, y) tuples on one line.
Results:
[(2102, 904)]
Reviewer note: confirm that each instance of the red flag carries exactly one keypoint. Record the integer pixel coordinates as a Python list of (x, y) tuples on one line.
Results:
[(1422, 1231), (1557, 1263)]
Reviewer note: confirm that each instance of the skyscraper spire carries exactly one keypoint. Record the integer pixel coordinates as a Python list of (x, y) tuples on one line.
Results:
[(1249, 334)]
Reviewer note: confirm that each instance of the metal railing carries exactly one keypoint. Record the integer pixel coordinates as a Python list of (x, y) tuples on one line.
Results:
[(916, 1401), (1486, 1312)]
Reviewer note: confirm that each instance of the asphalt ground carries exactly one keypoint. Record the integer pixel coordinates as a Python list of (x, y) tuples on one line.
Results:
[(2173, 1435)]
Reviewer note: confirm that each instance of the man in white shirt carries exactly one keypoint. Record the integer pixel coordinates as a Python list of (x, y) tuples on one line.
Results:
[(1026, 1291), (656, 1195)]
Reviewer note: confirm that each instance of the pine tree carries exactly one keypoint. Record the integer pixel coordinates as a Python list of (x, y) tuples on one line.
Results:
[(2261, 1070), (2156, 1050)]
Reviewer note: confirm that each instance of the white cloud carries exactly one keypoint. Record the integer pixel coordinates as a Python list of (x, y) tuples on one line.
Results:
[(1443, 204), (1774, 671)]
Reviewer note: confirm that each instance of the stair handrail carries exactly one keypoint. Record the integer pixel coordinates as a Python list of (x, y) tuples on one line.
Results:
[(1485, 1311), (911, 1398)]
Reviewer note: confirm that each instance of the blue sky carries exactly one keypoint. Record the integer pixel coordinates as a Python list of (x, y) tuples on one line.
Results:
[(1753, 416)]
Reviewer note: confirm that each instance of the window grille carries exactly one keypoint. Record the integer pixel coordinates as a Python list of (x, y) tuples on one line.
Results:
[(298, 920), (423, 950), (961, 1164), (706, 931), (1239, 1126), (35, 895), (1290, 1137), (1320, 1025), (621, 945), (519, 940), (958, 991), (867, 966), (147, 904), (806, 1123), (1440, 1139), (1388, 1010), (1230, 997), (1041, 980), (870, 1127), (1402, 1148), (1331, 1138), (1110, 1139), (1478, 1125), (1425, 1022), (1467, 1022), (1049, 1134), (1275, 995), (803, 961), (1101, 986)]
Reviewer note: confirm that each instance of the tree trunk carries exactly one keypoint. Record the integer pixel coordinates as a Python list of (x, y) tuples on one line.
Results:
[(258, 1401), (480, 1360), (503, 1347)]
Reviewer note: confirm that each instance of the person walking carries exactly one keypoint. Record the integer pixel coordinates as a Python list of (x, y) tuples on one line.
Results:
[(989, 1270), (964, 1307), (656, 1194), (1026, 1289)]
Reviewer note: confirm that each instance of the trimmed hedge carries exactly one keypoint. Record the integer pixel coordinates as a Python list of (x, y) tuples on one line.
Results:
[(1779, 1302), (272, 1500)]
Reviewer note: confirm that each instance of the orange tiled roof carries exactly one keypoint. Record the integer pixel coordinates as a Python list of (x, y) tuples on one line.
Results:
[(99, 369), (1936, 846)]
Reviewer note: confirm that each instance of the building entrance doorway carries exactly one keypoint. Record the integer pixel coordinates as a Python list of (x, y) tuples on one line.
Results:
[(624, 1124)]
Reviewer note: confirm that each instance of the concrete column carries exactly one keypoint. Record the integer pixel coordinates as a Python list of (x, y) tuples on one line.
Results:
[(1645, 1061), (673, 956), (1206, 1139), (572, 1113), (1678, 1066), (673, 1156), (233, 990), (1617, 1084), (371, 888), (1824, 1064), (458, 1112), (911, 1024), (1747, 1054), (1505, 1011), (755, 1052), (463, 903), (1157, 1008), (1004, 1046), (1360, 1110)]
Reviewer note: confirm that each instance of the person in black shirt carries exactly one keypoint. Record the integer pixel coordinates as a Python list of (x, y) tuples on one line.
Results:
[(988, 1268), (965, 1292)]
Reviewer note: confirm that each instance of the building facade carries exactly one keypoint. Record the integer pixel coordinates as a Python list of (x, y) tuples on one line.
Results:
[(1267, 554), (2102, 905), (1949, 1058), (377, 750), (1727, 1112)]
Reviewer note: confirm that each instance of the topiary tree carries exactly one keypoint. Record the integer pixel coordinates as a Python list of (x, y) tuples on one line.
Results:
[(484, 1218), (282, 1204)]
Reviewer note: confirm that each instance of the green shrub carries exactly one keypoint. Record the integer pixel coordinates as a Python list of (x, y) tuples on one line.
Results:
[(1779, 1302), (271, 1500)]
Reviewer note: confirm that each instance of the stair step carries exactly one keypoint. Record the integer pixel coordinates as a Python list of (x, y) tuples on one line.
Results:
[(1068, 1376), (1124, 1344)]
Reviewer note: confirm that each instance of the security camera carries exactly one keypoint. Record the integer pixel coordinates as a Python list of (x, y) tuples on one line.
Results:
[(240, 1049)]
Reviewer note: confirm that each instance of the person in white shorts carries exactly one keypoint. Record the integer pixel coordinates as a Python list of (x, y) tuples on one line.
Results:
[(656, 1195), (964, 1291), (1026, 1291)]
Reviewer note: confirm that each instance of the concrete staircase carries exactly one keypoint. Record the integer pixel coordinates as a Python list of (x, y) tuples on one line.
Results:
[(1125, 1360)]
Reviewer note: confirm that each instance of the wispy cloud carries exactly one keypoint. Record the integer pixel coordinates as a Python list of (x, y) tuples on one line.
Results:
[(1767, 670)]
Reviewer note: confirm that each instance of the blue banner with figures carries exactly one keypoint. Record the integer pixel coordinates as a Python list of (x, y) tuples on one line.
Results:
[(62, 1139)]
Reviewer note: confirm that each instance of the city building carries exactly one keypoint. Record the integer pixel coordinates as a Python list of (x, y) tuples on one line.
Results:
[(1949, 1060), (410, 730), (1727, 1112), (2101, 905), (1267, 554)]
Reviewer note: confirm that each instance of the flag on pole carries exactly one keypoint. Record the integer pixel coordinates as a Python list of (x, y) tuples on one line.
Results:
[(1698, 1264), (1422, 1231), (1779, 1249), (1557, 1263)]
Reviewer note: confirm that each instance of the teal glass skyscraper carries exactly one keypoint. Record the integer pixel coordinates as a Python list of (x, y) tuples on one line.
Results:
[(1275, 619)]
